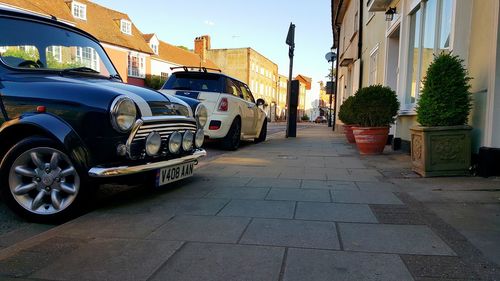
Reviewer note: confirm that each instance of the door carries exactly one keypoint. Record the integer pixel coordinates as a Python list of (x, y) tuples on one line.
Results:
[(251, 109)]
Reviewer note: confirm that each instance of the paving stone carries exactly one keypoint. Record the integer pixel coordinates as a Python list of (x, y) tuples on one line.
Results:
[(239, 193), (259, 209), (203, 207), (318, 265), (334, 212), (202, 229), (439, 267), (377, 186), (299, 194), (111, 259), (228, 181), (291, 233), (258, 172), (364, 197), (335, 185), (25, 262), (214, 262), (23, 232), (395, 214), (274, 182), (387, 238), (114, 225)]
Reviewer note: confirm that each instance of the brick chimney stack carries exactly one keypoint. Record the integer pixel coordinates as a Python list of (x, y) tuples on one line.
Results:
[(201, 45)]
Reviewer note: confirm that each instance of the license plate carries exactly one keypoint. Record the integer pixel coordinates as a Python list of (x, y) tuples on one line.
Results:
[(175, 173)]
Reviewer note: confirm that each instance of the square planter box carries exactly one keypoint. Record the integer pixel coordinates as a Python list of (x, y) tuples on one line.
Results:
[(441, 151)]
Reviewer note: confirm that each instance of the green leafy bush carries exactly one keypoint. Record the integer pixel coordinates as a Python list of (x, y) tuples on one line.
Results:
[(375, 106), (304, 117), (445, 98), (154, 82), (346, 114)]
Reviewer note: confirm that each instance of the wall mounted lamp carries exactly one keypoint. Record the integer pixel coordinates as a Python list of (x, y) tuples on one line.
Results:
[(389, 14)]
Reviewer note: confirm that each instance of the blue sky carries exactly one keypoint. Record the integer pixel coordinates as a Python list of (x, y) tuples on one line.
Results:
[(259, 24)]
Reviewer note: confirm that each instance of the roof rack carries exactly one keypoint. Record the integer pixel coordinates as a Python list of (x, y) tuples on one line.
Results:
[(200, 68)]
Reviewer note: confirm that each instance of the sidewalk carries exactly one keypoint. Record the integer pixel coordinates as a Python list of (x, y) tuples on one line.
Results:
[(305, 208)]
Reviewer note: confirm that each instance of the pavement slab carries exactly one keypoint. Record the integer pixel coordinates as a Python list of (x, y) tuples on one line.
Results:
[(111, 259), (202, 229), (299, 194), (387, 238), (291, 233), (239, 193), (274, 182), (214, 262), (259, 209), (319, 265), (365, 197), (439, 267), (335, 212), (335, 185)]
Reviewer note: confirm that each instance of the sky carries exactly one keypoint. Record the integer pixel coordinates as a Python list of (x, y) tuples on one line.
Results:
[(259, 24)]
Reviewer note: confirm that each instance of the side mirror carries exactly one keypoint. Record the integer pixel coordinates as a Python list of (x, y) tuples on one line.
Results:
[(260, 102)]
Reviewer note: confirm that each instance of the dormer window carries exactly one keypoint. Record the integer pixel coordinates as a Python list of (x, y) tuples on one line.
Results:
[(154, 47), (79, 10), (126, 27)]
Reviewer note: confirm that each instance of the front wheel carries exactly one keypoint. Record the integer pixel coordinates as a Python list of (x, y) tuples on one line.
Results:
[(40, 182), (263, 132)]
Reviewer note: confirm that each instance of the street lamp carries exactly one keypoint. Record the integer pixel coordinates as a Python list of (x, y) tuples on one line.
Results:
[(331, 57)]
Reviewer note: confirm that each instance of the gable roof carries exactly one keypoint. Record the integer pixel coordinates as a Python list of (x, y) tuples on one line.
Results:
[(176, 55), (306, 80), (148, 37), (103, 23)]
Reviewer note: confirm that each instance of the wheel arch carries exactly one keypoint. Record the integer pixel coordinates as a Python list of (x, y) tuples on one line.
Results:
[(49, 126)]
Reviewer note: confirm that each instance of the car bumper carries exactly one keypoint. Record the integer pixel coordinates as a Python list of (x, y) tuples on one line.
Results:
[(226, 121), (100, 172)]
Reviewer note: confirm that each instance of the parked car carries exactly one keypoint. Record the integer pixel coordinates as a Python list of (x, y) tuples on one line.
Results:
[(68, 122), (320, 119), (233, 113)]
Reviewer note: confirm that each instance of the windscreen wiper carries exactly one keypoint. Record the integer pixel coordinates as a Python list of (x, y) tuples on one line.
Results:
[(83, 69)]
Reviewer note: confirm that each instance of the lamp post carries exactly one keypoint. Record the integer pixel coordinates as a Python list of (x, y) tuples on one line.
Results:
[(331, 57)]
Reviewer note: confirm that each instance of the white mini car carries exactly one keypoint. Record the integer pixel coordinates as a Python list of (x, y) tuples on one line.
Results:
[(233, 113)]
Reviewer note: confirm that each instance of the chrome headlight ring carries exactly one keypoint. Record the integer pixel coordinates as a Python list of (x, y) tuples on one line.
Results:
[(123, 114), (201, 115)]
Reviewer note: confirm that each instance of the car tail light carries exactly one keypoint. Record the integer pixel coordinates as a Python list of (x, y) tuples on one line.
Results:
[(223, 104)]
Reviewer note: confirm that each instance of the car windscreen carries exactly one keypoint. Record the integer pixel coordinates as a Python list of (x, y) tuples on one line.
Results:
[(32, 45), (202, 82)]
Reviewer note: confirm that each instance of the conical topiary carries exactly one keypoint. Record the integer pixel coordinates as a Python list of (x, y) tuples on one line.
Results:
[(445, 98)]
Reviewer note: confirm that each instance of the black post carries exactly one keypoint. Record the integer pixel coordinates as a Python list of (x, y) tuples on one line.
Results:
[(332, 117), (290, 41)]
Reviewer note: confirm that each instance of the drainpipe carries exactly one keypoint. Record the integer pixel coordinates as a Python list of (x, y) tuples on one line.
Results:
[(338, 27), (360, 42)]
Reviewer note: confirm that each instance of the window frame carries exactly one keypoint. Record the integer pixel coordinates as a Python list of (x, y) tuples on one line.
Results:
[(141, 65), (80, 8), (422, 6), (128, 26)]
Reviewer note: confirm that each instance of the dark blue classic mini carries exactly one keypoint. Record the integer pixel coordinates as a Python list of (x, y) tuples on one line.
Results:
[(68, 122)]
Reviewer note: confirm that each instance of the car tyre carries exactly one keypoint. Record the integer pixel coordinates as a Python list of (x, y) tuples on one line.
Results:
[(263, 132), (232, 139), (39, 182)]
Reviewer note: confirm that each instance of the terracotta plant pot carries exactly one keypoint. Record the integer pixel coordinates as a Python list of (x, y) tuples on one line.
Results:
[(371, 140), (349, 134)]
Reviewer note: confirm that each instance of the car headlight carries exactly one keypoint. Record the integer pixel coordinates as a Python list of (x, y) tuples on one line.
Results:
[(123, 114), (153, 143), (174, 142), (199, 138), (187, 140), (201, 115)]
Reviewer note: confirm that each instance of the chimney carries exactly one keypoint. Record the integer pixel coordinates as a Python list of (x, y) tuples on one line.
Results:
[(201, 45)]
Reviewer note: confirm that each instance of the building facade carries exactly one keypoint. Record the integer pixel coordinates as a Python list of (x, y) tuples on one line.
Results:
[(247, 65), (397, 52), (121, 39), (304, 86)]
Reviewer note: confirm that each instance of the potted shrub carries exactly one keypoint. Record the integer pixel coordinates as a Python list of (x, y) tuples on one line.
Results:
[(347, 117), (374, 109), (441, 145)]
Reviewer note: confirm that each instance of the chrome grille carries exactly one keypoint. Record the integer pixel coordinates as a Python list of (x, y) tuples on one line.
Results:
[(136, 142)]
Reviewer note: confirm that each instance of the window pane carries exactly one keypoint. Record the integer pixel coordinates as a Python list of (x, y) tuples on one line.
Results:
[(446, 9), (414, 53), (429, 37)]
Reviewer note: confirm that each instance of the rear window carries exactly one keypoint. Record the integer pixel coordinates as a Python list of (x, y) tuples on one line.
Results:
[(203, 82)]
